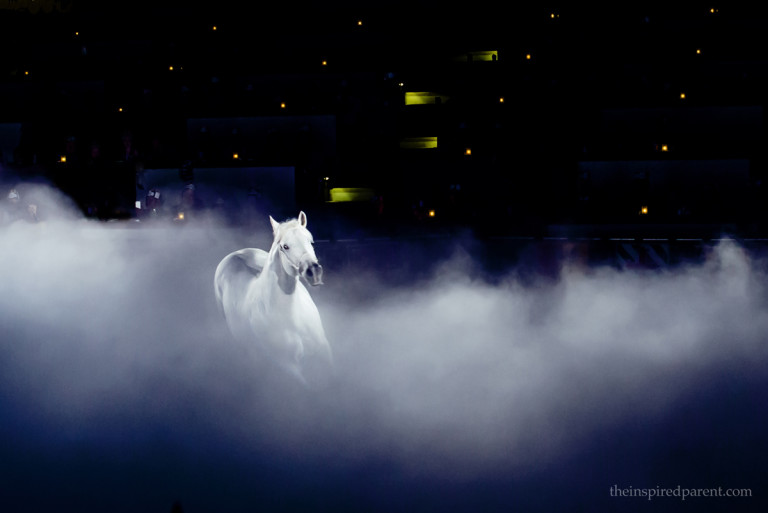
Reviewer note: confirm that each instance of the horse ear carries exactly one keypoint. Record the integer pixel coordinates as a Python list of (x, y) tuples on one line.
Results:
[(274, 224), (302, 218)]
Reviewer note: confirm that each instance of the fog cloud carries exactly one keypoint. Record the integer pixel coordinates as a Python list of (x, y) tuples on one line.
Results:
[(111, 335)]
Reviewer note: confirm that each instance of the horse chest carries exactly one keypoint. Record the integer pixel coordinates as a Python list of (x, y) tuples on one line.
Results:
[(272, 308)]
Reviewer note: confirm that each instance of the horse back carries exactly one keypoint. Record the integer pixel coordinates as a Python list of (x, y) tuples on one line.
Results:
[(236, 271)]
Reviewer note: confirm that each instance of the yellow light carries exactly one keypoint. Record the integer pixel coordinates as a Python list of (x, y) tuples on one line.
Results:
[(528, 56), (501, 99), (235, 156), (431, 213), (282, 105), (468, 151), (424, 98), (26, 72), (664, 147), (351, 194), (170, 68), (325, 63), (214, 28), (119, 109), (418, 143), (698, 51), (682, 96), (359, 23), (181, 216), (643, 210), (63, 158), (478, 56)]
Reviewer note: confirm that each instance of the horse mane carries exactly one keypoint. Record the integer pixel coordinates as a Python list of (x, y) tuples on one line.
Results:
[(290, 223), (287, 225)]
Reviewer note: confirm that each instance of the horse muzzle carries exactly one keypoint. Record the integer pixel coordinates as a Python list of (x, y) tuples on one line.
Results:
[(312, 272)]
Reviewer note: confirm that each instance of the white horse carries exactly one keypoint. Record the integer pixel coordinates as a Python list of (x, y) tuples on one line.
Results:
[(264, 300)]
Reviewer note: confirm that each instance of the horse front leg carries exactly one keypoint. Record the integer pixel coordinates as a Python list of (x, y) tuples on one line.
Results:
[(293, 352)]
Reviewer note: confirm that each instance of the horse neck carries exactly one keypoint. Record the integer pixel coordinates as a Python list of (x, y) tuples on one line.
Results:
[(285, 281)]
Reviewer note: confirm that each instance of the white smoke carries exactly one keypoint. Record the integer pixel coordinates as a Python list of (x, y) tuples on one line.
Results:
[(111, 334), (470, 376)]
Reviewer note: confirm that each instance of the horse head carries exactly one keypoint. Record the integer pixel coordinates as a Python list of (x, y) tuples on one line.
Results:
[(293, 244)]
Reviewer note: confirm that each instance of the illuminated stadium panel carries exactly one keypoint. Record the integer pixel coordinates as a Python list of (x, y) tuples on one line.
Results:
[(349, 194), (424, 98), (479, 56), (418, 143)]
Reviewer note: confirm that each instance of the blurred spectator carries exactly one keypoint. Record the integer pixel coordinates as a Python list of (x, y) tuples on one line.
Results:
[(190, 203), (153, 205), (15, 210), (95, 176), (119, 194), (129, 152)]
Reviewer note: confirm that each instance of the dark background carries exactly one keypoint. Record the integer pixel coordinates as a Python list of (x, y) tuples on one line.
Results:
[(533, 344), (592, 127)]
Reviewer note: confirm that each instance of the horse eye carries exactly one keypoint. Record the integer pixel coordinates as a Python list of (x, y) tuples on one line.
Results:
[(285, 247)]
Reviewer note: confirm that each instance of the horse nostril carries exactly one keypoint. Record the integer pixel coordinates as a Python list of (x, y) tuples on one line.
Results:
[(315, 273)]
